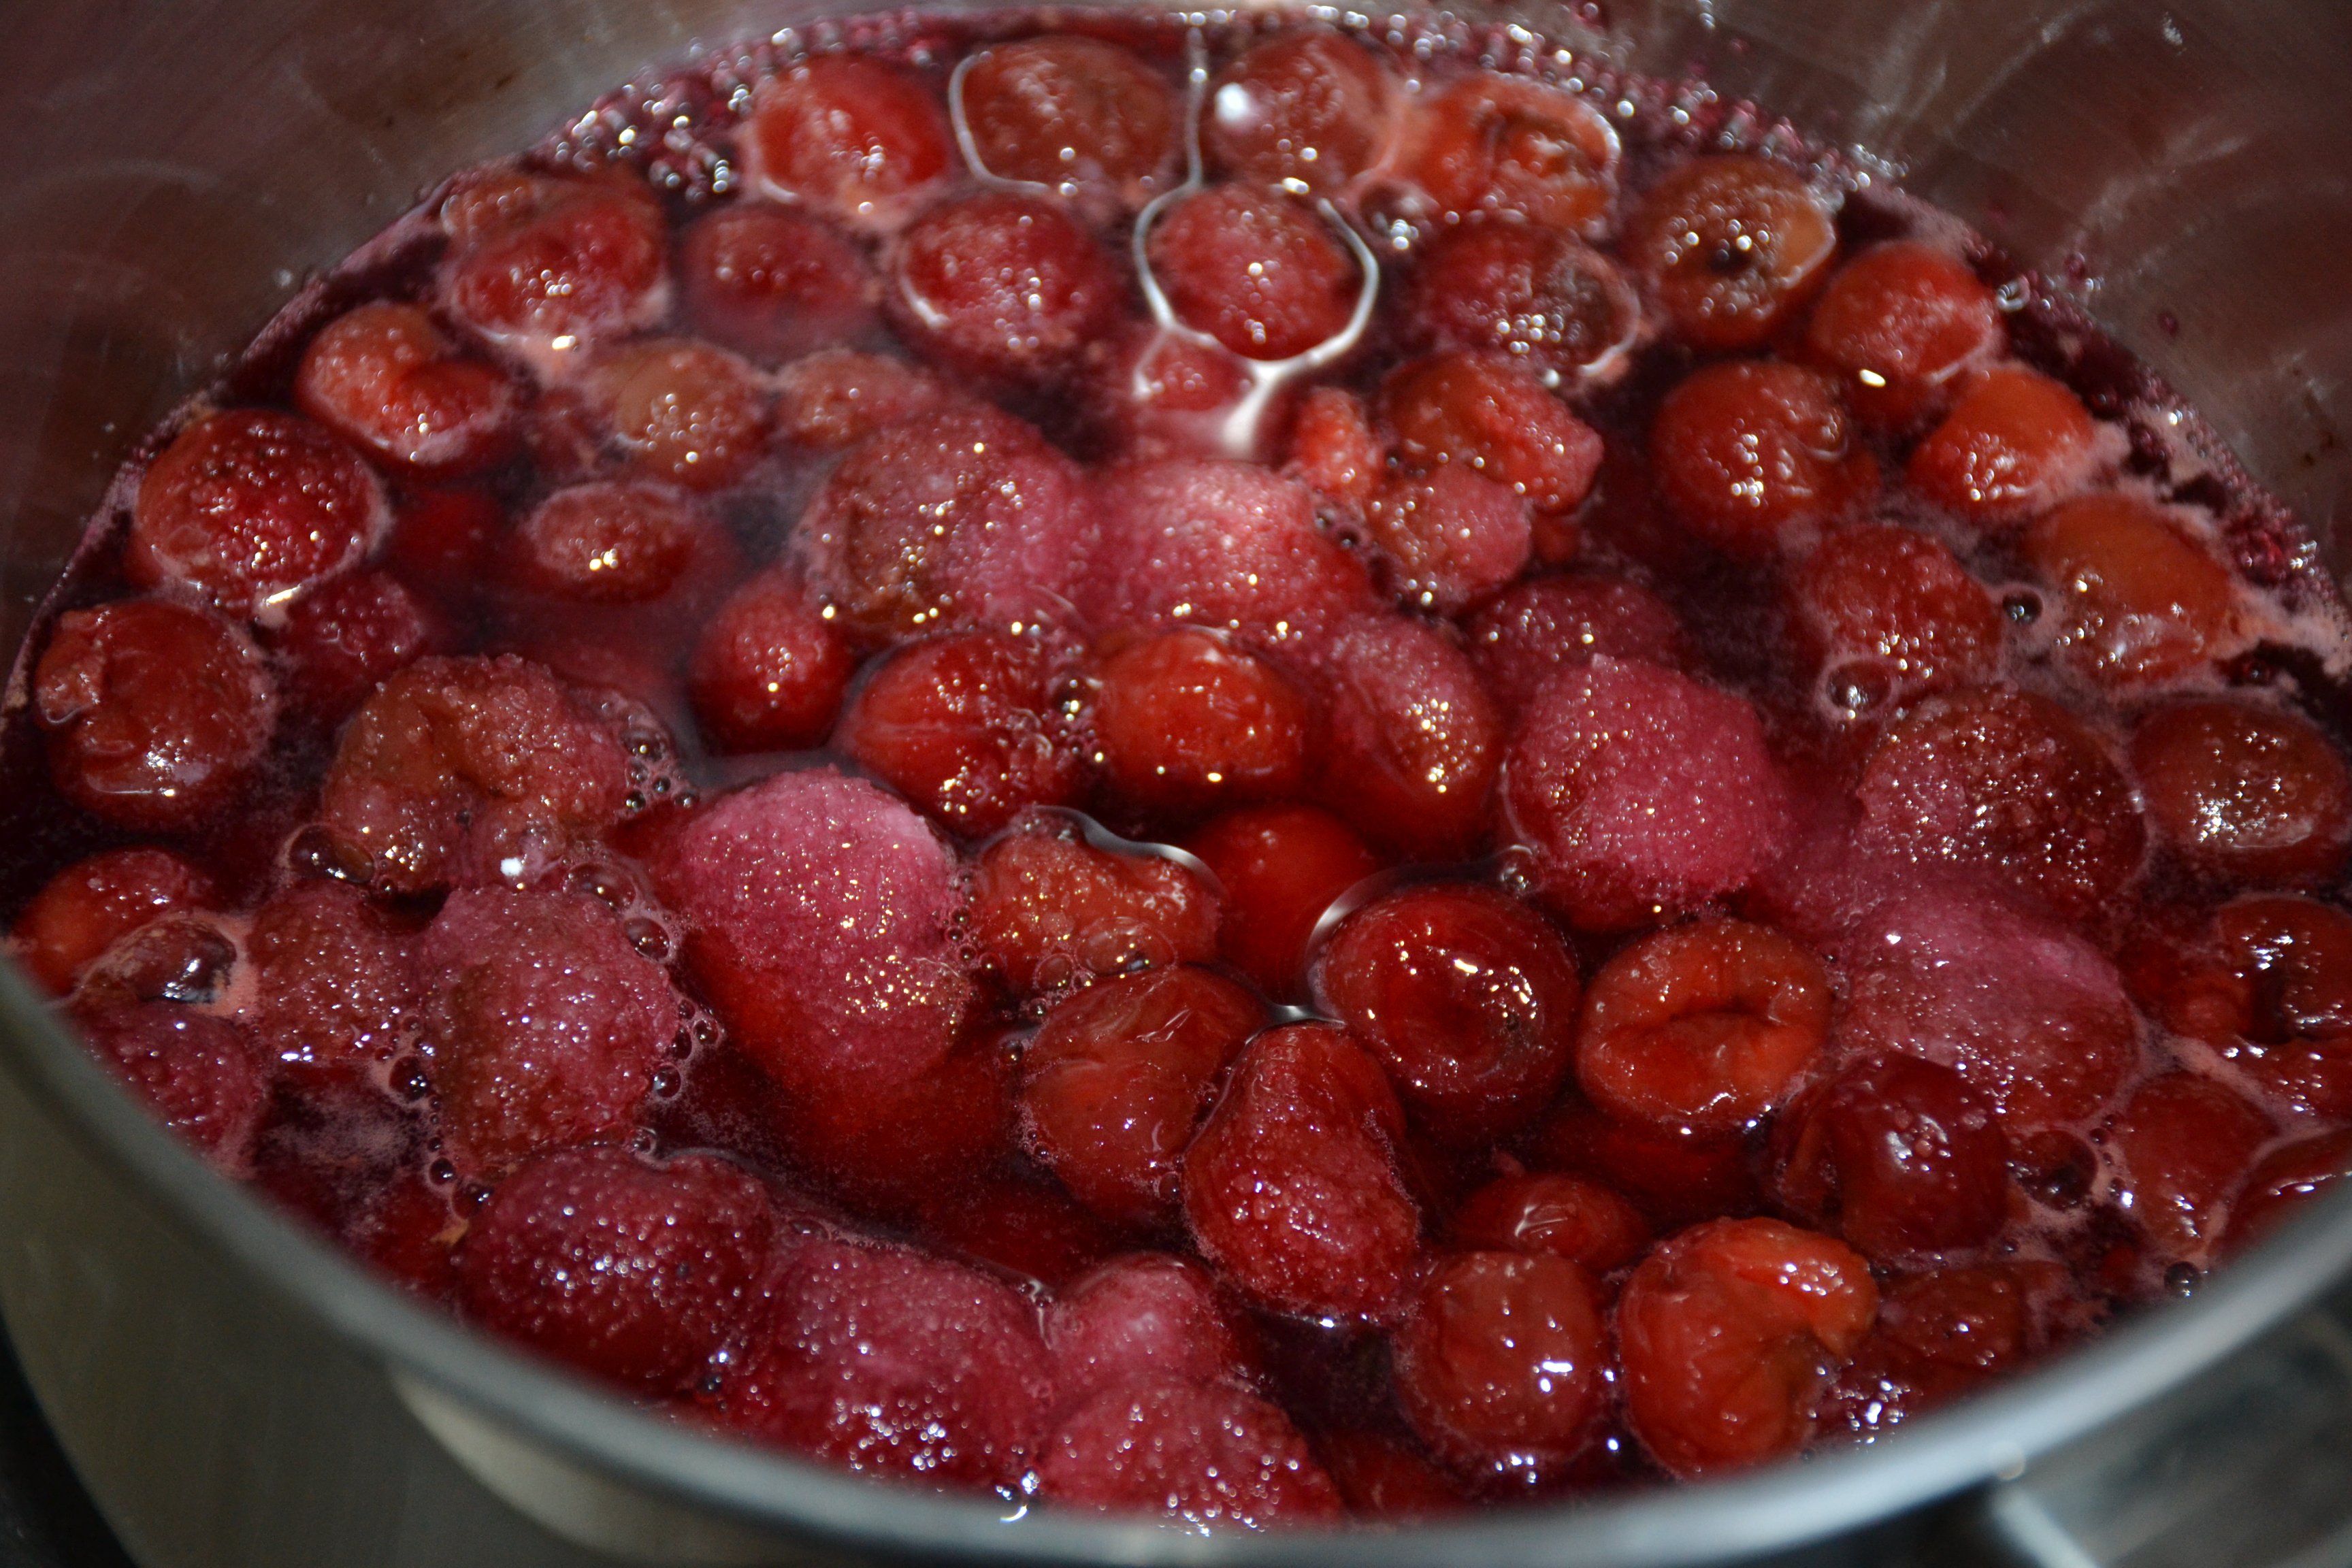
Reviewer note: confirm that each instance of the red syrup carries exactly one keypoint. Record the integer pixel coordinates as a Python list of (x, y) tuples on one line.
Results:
[(1261, 773)]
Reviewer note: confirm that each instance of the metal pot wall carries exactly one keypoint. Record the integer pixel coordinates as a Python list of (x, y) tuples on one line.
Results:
[(237, 1395)]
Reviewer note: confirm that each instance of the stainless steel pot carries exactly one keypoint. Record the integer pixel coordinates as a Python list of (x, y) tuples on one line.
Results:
[(237, 1395)]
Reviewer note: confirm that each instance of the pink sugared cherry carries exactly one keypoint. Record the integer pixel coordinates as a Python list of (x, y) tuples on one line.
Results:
[(387, 379), (196, 1072), (335, 987), (635, 1272), (1412, 740), (1466, 996), (1145, 1317), (774, 283), (1309, 111), (1003, 287), (1643, 794), (1292, 1188), (834, 398), (1731, 1334), (344, 640), (1730, 246), (1882, 611), (1538, 626), (1263, 274), (1706, 1025), (605, 542), (156, 714), (1333, 447), (1450, 539), (683, 412), (547, 1026), (1495, 416), (855, 139), (249, 507), (1207, 1456), (2003, 782)]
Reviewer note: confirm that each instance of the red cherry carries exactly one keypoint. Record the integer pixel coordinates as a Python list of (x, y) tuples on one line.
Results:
[(898, 1147), (196, 1071), (2014, 442), (156, 715), (1281, 867), (1467, 997), (335, 984), (1553, 1215), (1387, 1477), (549, 267), (1675, 1174), (1292, 1188), (1532, 292), (1081, 115), (1261, 273), (2283, 1181), (1731, 1334), (1004, 287), (1309, 111), (2245, 794), (1501, 1362), (1186, 721), (882, 1361), (770, 671), (251, 508), (1209, 1457), (1046, 910), (852, 138), (1706, 1025), (344, 640), (1413, 742), (1495, 416), (1999, 781), (1898, 1155), (440, 542), (1731, 247), (1019, 1222), (1756, 455), (1938, 1335), (458, 764), (2265, 983), (2183, 1147), (1524, 636), (1886, 611), (835, 398), (634, 1271), (1147, 1317), (1514, 148), (92, 904), (972, 727), (547, 1026), (683, 412), (774, 283), (954, 518), (1898, 324), (1158, 394), (2140, 601), (605, 542), (385, 378), (1641, 793)]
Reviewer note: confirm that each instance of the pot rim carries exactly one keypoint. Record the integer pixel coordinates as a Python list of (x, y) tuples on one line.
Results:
[(1994, 1435)]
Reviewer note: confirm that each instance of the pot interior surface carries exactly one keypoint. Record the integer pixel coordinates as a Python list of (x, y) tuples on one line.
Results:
[(184, 167)]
